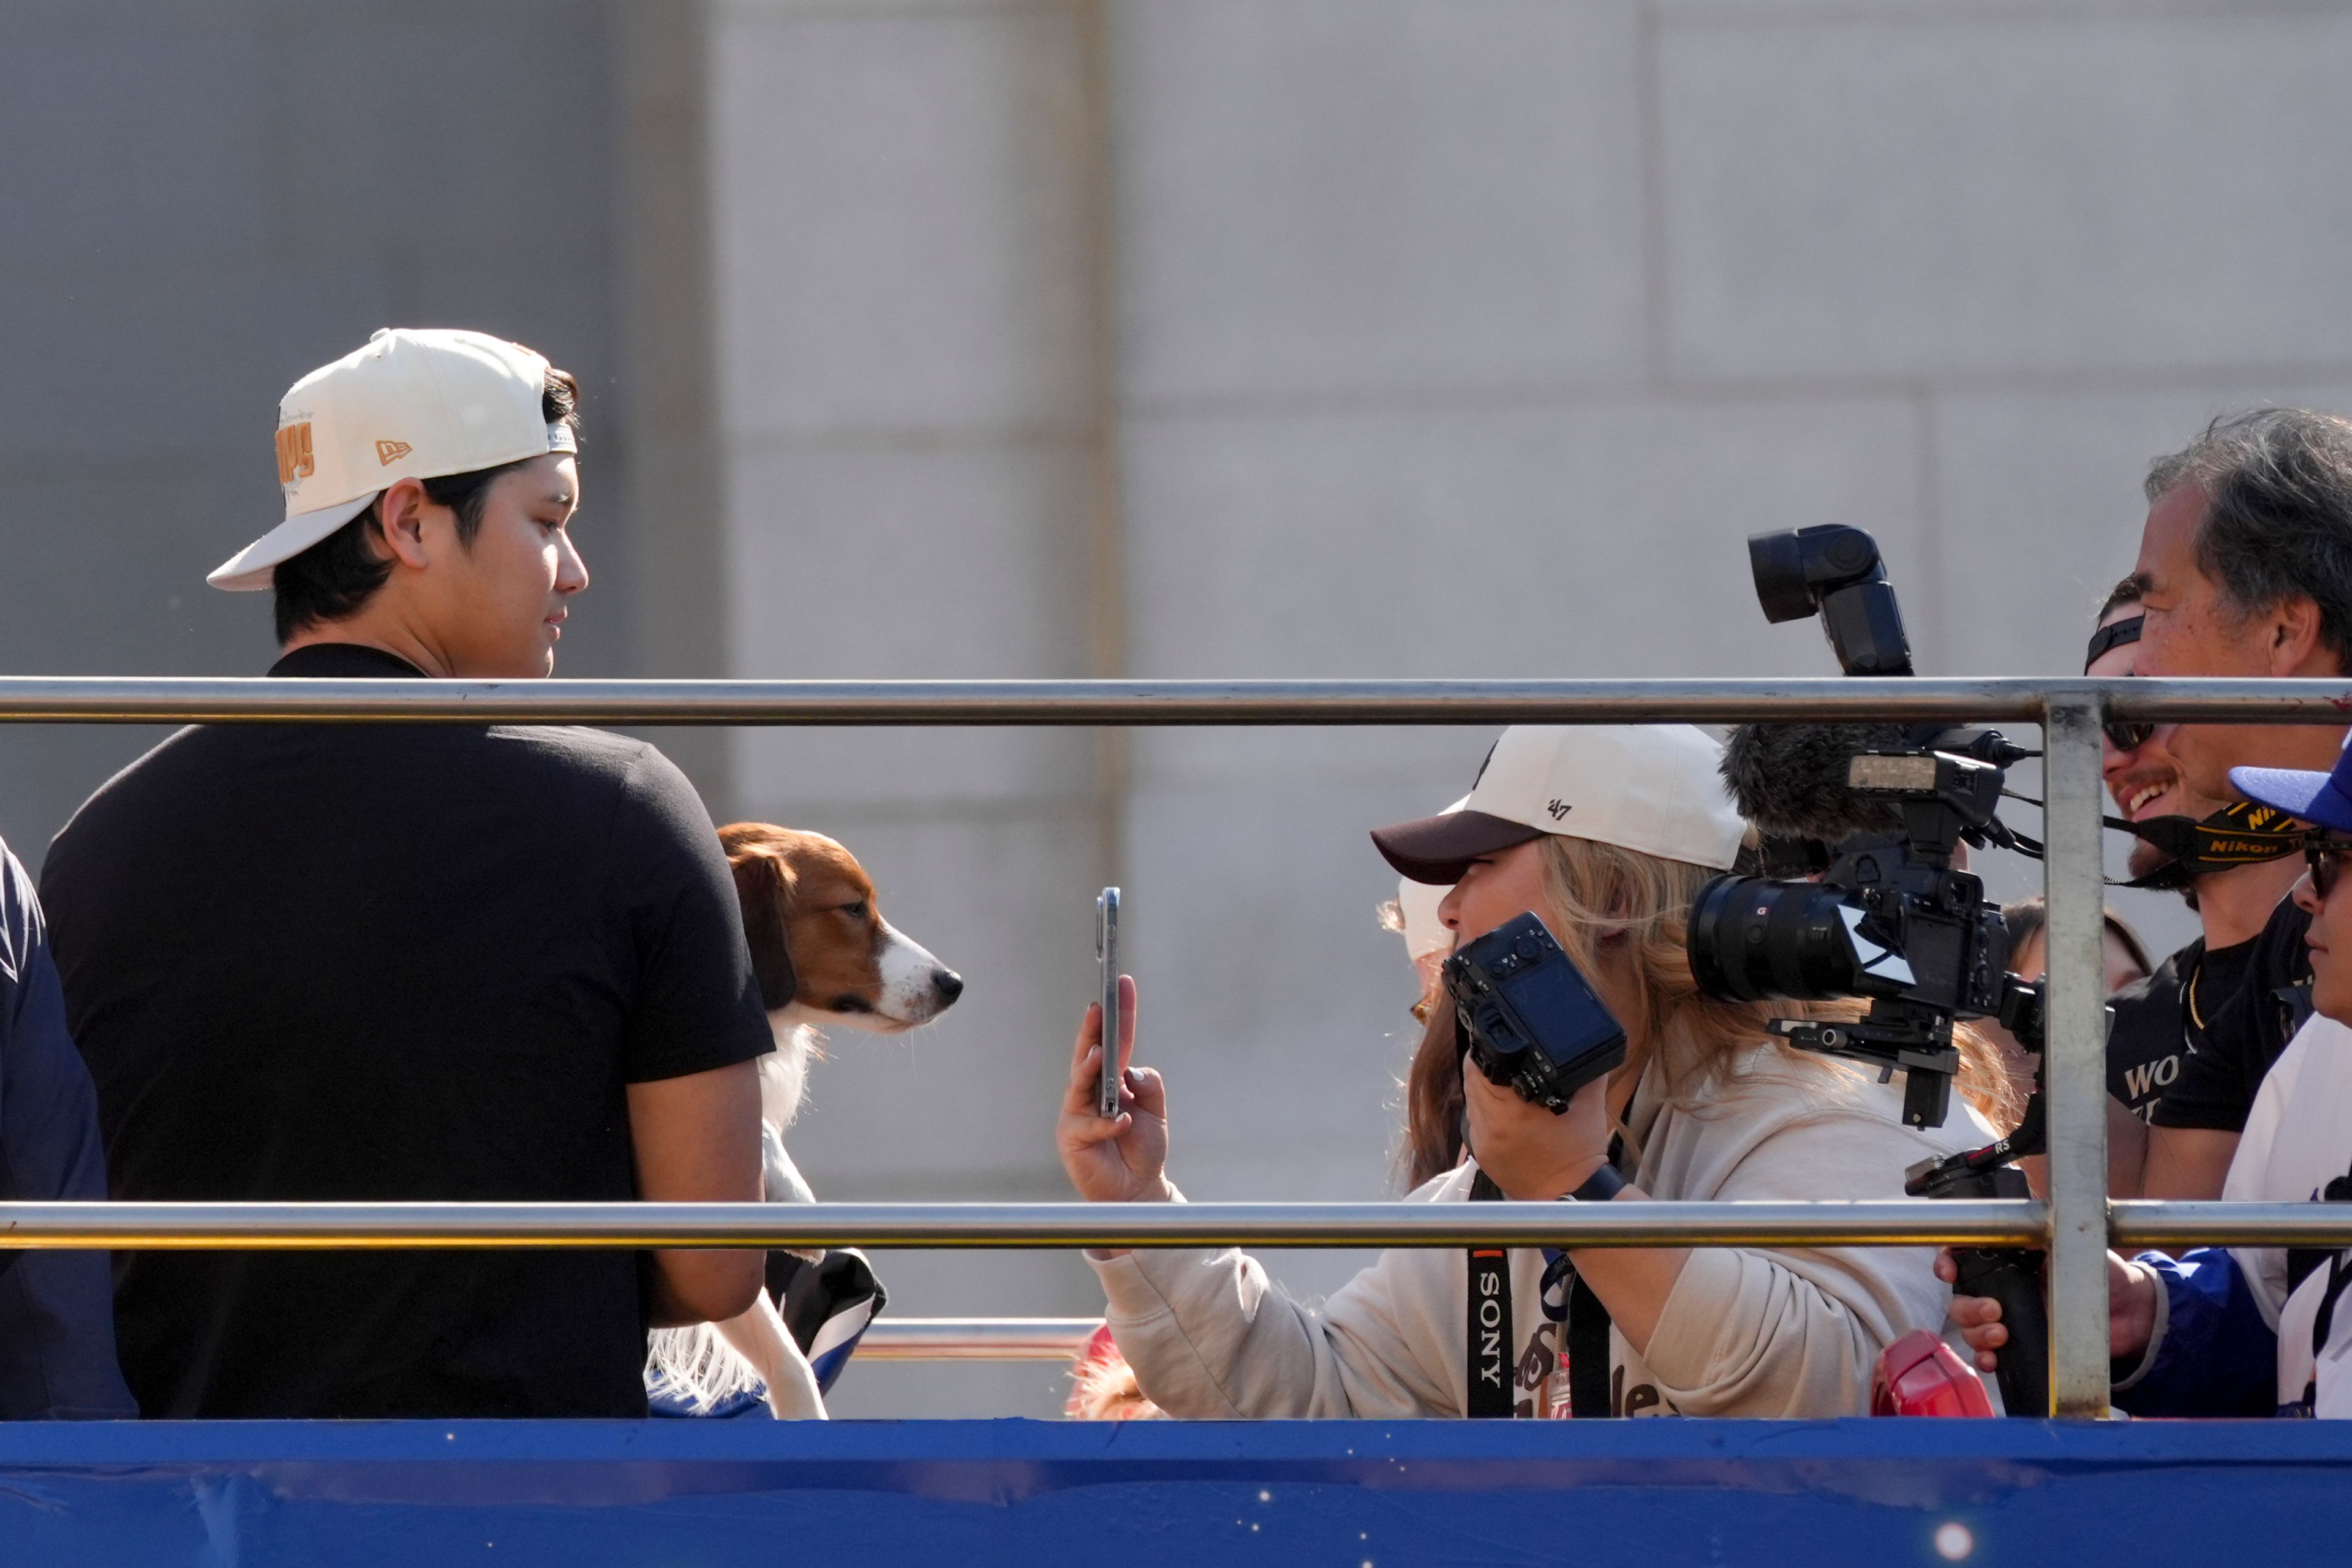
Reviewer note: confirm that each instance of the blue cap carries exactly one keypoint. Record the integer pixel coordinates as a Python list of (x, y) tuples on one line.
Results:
[(2322, 799)]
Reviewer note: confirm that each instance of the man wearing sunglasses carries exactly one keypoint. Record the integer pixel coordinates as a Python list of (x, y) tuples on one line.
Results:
[(2245, 569), (2235, 873), (2261, 1331)]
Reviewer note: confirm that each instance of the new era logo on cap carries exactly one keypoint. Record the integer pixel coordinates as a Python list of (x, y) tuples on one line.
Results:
[(462, 402)]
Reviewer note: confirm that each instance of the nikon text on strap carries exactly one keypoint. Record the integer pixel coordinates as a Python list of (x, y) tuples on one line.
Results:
[(2240, 834)]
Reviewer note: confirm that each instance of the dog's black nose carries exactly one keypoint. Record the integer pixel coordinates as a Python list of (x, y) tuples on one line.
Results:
[(948, 984)]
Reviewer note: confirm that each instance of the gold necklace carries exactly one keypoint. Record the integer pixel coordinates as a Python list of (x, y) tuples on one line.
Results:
[(2195, 975)]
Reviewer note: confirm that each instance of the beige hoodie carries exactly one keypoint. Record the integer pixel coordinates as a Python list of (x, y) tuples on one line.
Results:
[(1792, 1333)]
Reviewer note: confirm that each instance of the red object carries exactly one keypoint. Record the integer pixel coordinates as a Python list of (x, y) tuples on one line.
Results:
[(1920, 1375), (1103, 1386)]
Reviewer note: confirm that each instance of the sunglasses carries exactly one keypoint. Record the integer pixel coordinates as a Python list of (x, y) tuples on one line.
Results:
[(2324, 855), (2129, 735)]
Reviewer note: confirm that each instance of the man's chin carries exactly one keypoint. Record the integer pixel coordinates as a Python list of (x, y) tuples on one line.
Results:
[(2324, 1000), (2145, 858)]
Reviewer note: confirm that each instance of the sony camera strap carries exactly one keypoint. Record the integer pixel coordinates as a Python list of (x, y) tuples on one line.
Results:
[(1588, 1351), (1490, 1356)]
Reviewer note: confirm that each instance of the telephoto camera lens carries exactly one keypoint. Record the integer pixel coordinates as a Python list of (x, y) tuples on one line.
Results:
[(1751, 938)]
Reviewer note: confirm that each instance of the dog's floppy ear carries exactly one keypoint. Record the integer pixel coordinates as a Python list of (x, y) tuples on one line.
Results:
[(763, 886)]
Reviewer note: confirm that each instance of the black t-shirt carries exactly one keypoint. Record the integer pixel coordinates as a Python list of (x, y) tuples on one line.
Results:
[(2154, 1033), (2237, 1030), (2148, 1039), (370, 962)]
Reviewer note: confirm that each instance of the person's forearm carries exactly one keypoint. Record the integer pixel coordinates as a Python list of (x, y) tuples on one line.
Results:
[(704, 1285), (696, 1138), (2216, 1356), (2126, 1152), (2188, 1163), (1633, 1282), (1167, 1194)]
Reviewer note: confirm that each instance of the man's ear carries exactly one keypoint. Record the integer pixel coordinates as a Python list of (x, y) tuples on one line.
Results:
[(763, 886), (400, 519), (2296, 648)]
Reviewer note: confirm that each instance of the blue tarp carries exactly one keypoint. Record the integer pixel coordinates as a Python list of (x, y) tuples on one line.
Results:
[(1629, 1494)]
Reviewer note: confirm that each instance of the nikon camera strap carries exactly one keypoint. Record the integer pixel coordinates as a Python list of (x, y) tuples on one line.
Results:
[(1489, 1356)]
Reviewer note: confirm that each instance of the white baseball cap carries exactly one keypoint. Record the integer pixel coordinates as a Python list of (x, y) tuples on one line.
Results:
[(416, 402), (1656, 788)]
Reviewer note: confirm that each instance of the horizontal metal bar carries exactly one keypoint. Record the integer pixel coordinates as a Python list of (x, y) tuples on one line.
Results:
[(181, 699), (975, 1339), (217, 1226), (2136, 1225), (1898, 1223)]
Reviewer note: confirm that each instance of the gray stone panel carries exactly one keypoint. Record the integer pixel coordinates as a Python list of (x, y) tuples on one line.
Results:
[(2039, 506), (1342, 196), (1566, 540), (496, 168), (897, 211), (113, 155), (1977, 195), (106, 363), (936, 563)]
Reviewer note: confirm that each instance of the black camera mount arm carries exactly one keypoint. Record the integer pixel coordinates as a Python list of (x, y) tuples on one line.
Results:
[(1894, 1036)]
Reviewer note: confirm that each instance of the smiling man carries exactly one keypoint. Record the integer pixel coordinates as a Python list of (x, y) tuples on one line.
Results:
[(2161, 1020), (368, 962), (2245, 569)]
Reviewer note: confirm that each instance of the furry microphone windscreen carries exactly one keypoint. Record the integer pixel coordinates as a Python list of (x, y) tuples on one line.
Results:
[(1790, 779)]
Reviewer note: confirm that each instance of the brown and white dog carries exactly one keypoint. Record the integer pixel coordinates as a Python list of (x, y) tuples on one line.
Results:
[(823, 955)]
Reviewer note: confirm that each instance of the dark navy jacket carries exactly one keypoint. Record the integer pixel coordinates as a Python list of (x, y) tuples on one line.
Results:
[(56, 1308)]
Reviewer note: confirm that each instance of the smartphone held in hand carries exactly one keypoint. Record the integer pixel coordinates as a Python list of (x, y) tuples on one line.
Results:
[(1106, 956)]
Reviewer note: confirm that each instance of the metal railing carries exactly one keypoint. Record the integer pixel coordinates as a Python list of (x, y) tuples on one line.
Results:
[(2076, 1225), (975, 1339)]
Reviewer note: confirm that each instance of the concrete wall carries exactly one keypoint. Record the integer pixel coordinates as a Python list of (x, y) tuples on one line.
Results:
[(903, 263), (1451, 337), (198, 203)]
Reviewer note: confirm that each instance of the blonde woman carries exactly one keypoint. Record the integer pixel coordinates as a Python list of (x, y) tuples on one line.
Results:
[(1606, 832)]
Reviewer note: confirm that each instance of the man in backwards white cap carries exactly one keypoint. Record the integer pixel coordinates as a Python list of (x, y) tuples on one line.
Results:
[(365, 962)]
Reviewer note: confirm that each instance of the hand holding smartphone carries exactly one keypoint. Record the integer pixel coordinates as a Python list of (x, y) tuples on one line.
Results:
[(1107, 957)]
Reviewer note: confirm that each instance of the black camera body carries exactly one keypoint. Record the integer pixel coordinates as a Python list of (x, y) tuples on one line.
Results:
[(1892, 919), (1527, 1017)]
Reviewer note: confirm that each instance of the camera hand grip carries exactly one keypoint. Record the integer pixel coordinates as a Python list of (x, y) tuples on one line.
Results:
[(2014, 1279)]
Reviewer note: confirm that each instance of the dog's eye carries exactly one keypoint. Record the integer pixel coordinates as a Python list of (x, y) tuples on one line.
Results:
[(856, 912)]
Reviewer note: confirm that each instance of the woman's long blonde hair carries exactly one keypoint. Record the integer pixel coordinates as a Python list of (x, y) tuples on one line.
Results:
[(1603, 896)]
